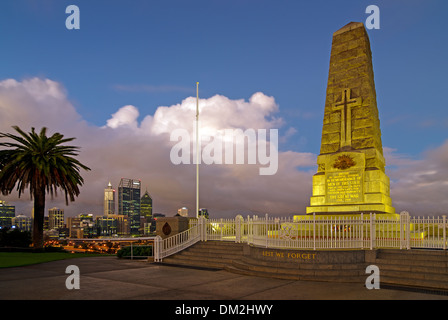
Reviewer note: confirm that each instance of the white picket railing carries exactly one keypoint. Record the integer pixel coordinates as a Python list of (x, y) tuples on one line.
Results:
[(364, 231), (169, 246)]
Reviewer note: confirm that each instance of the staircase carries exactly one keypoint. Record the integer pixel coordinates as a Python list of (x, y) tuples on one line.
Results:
[(230, 256), (207, 255), (316, 272), (413, 268), (400, 269)]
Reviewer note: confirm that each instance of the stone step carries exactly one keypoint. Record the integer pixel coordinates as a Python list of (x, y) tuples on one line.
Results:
[(409, 268), (199, 258), (192, 264), (200, 262), (412, 266), (220, 255), (251, 270), (216, 250), (302, 266), (414, 255), (425, 269), (208, 254), (413, 263), (352, 270), (220, 243), (413, 283), (427, 275)]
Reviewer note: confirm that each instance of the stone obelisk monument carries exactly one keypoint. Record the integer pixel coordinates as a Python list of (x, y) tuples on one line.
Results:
[(351, 176)]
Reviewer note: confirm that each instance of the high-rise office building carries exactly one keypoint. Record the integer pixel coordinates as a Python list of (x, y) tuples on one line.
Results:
[(55, 218), (106, 226), (146, 206), (119, 223), (81, 226), (146, 213), (7, 212), (129, 202), (22, 222), (109, 200)]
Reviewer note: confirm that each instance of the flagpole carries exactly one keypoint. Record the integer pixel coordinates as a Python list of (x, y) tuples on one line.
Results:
[(197, 149)]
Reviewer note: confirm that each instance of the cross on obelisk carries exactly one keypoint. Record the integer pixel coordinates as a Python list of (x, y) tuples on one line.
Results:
[(346, 106)]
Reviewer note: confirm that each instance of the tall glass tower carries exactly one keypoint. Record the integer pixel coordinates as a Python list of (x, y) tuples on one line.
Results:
[(129, 202), (109, 200), (146, 206), (55, 218), (7, 213)]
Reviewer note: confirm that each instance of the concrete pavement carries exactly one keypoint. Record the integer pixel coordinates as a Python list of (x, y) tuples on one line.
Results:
[(109, 278)]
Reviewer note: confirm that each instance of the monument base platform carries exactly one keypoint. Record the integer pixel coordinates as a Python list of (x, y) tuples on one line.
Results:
[(428, 267), (349, 214)]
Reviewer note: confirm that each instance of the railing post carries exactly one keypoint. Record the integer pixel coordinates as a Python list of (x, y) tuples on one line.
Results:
[(444, 231), (157, 248), (401, 230), (362, 230), (202, 230), (408, 231), (405, 233), (372, 231), (266, 230), (238, 225), (250, 230), (314, 230), (205, 223)]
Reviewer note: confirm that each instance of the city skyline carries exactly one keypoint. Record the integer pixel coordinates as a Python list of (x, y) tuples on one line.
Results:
[(124, 81)]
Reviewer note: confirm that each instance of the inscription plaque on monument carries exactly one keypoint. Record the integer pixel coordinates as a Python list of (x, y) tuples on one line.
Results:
[(343, 187), (351, 174)]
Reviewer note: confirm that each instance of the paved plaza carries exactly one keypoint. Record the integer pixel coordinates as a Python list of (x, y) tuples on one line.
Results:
[(110, 278)]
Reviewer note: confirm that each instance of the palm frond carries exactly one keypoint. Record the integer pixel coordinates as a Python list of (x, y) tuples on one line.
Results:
[(34, 160)]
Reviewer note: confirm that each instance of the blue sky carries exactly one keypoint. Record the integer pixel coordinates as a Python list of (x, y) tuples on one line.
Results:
[(151, 53)]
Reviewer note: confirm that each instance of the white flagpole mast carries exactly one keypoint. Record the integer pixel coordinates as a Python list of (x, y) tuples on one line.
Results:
[(197, 149)]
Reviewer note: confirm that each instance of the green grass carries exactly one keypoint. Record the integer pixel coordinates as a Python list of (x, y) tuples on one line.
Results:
[(17, 259)]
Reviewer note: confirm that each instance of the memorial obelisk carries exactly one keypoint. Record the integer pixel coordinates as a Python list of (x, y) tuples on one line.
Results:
[(351, 176)]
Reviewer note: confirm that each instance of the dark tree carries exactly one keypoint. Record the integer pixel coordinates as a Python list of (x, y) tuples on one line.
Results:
[(42, 164)]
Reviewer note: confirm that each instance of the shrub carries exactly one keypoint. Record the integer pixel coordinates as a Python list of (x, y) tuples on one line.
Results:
[(137, 252), (14, 238)]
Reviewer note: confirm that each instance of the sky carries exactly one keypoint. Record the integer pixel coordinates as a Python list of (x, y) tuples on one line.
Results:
[(127, 78)]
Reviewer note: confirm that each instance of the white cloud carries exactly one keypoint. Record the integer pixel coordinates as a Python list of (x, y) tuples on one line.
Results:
[(125, 116), (35, 102), (218, 113), (420, 186), (125, 147)]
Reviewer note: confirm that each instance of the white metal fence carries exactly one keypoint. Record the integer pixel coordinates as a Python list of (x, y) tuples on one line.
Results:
[(364, 231), (166, 247)]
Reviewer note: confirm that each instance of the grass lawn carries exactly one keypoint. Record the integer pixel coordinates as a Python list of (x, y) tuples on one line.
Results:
[(17, 259)]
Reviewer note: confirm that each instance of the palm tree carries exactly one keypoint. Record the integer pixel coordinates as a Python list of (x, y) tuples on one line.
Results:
[(43, 165)]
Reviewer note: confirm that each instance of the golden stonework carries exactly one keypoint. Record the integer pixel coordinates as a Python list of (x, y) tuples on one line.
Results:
[(351, 176), (344, 162)]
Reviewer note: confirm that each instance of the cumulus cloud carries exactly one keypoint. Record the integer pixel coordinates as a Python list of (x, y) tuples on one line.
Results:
[(36, 102), (125, 116), (420, 186), (218, 113), (125, 147)]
